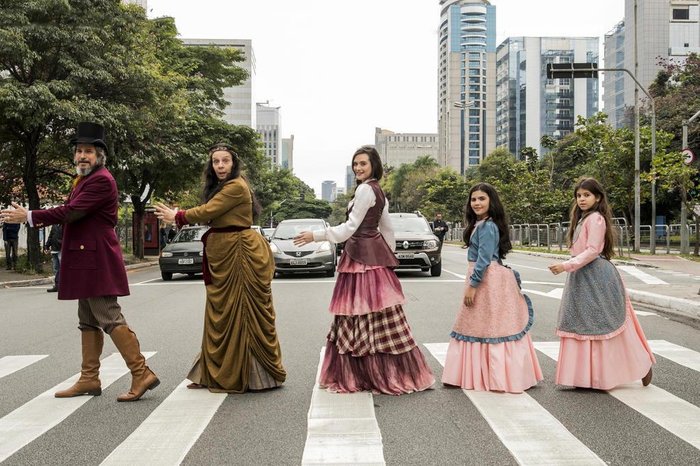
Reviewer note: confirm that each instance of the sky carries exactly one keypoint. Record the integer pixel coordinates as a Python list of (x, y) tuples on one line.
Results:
[(340, 69)]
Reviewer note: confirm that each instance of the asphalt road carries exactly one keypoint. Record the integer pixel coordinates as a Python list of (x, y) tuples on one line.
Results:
[(439, 426)]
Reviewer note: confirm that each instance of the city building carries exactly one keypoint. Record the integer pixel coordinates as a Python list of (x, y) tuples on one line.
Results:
[(239, 110), (328, 191), (349, 179), (466, 78), (269, 128), (666, 29), (287, 159), (396, 149), (528, 105)]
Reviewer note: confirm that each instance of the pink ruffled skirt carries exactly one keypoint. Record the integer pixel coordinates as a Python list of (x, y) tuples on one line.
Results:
[(511, 366), (370, 345), (603, 364)]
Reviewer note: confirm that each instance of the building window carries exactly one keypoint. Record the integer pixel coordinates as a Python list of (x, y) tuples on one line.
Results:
[(681, 13)]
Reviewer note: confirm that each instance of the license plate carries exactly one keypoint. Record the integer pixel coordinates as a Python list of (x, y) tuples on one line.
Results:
[(186, 261), (405, 255), (297, 262)]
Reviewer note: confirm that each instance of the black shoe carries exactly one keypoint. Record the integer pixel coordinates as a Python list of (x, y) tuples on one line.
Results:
[(52, 290)]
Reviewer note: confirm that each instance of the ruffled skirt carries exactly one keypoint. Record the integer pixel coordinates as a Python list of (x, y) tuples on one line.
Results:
[(370, 345), (605, 363)]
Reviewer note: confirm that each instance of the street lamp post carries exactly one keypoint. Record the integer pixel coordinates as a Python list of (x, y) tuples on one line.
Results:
[(685, 246), (463, 105)]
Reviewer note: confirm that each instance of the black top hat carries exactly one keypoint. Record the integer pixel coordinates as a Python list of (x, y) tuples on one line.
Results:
[(89, 133)]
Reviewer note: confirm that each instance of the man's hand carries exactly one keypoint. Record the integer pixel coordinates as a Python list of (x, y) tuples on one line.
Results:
[(17, 215)]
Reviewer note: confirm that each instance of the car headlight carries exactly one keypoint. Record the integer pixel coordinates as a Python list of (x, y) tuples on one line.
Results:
[(274, 248), (325, 246), (201, 253), (166, 254), (430, 244)]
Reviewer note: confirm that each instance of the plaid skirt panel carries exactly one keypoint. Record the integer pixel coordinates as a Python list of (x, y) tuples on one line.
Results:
[(386, 331)]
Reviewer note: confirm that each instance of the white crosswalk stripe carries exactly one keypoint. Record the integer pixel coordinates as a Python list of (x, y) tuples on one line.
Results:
[(678, 354), (641, 275), (670, 412), (188, 410), (342, 428), (10, 364), (37, 416), (529, 431)]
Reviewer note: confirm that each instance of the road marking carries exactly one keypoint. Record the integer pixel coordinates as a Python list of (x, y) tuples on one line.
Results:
[(167, 434), (519, 266), (645, 313), (42, 413), (642, 276), (678, 354), (342, 428), (670, 412), (10, 364), (463, 277), (525, 282), (526, 429)]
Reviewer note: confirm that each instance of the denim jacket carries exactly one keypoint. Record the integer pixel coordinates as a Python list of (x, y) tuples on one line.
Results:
[(483, 249)]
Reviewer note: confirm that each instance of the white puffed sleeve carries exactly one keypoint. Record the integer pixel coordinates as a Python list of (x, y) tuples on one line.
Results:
[(364, 199), (386, 229)]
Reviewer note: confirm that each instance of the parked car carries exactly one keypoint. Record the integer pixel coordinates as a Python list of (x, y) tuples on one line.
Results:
[(313, 257), (267, 233), (257, 228), (416, 245), (183, 254)]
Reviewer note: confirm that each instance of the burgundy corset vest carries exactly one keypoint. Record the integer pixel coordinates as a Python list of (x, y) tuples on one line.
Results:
[(367, 245)]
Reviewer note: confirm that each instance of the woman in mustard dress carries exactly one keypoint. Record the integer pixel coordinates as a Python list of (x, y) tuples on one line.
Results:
[(240, 350)]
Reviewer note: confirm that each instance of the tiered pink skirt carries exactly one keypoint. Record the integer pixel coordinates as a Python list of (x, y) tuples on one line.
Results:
[(623, 358), (370, 345)]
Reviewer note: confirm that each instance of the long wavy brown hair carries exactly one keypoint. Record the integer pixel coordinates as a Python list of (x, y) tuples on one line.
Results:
[(602, 207)]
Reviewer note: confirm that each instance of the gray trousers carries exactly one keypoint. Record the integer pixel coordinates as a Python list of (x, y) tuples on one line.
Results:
[(102, 312)]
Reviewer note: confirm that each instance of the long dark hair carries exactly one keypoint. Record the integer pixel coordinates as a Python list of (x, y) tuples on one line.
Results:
[(602, 207), (212, 185), (496, 213), (374, 159)]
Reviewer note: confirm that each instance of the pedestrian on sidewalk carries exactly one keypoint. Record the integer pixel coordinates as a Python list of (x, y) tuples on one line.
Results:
[(10, 236), (370, 345), (92, 268), (240, 350), (53, 245), (602, 343), (490, 348)]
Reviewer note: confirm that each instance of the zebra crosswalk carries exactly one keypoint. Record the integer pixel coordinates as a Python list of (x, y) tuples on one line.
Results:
[(345, 429)]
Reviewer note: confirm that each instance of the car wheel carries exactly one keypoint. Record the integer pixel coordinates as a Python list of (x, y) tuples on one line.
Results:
[(331, 272), (436, 270), (167, 276)]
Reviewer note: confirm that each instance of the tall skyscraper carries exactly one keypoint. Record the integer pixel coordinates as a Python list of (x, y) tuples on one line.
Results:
[(396, 149), (665, 29), (328, 191), (529, 105), (466, 78), (239, 110), (287, 159), (269, 127)]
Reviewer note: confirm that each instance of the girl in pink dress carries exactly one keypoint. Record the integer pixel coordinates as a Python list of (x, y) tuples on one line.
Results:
[(489, 347), (370, 345), (602, 343)]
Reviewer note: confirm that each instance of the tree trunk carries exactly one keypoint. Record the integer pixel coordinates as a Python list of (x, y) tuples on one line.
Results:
[(696, 249), (139, 211), (30, 186)]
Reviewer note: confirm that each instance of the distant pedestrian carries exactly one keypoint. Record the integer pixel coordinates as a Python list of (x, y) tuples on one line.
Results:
[(602, 343), (172, 231), (53, 245), (10, 236), (92, 266), (163, 236), (490, 348), (240, 350), (440, 227), (370, 345)]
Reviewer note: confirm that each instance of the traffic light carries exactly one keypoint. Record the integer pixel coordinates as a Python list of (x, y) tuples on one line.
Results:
[(572, 70)]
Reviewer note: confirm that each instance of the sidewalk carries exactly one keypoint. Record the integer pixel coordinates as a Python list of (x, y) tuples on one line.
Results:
[(12, 279), (679, 300)]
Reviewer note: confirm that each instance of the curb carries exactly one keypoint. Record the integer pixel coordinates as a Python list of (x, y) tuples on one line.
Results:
[(49, 280), (678, 307), (565, 257)]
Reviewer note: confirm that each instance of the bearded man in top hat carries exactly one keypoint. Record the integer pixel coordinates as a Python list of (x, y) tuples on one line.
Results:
[(92, 267)]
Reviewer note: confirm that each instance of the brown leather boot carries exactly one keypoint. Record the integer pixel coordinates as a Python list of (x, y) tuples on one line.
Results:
[(646, 380), (142, 378), (89, 381)]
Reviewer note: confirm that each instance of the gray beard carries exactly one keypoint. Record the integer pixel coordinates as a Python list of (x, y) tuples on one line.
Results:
[(84, 171)]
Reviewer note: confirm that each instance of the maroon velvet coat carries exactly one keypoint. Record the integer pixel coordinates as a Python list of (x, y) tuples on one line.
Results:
[(91, 257)]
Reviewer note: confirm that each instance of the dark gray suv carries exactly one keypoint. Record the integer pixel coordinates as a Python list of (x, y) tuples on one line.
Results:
[(416, 245)]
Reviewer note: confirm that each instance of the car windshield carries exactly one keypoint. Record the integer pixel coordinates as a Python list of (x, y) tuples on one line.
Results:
[(290, 230), (189, 234), (410, 224)]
